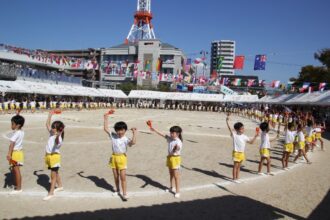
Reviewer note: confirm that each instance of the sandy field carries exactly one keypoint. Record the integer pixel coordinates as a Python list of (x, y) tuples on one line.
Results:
[(207, 190)]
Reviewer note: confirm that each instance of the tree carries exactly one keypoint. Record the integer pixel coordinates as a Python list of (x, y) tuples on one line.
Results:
[(317, 74), (324, 57)]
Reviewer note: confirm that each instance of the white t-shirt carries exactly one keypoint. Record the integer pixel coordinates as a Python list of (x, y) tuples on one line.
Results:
[(265, 142), (33, 104), (239, 142), (171, 145), (301, 136), (290, 136), (119, 145), (309, 131), (17, 138), (318, 130), (51, 146)]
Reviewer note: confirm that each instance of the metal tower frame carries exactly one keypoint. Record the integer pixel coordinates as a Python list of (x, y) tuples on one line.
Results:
[(142, 29)]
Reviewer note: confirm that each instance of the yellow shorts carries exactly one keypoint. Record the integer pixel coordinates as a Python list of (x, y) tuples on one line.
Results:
[(302, 145), (274, 120), (24, 107), (17, 158), (238, 156), (118, 161), (6, 108), (12, 107), (314, 137), (53, 160), (173, 162), (318, 136), (288, 147), (264, 152), (309, 139)]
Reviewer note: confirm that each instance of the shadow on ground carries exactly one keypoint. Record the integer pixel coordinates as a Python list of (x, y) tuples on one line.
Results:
[(226, 207)]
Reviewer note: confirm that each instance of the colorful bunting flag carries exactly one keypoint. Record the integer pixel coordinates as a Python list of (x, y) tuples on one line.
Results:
[(322, 86), (237, 82), (250, 82), (276, 84), (305, 87), (220, 63)]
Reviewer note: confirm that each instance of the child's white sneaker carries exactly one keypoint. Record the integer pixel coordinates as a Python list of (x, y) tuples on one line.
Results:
[(171, 189), (59, 189), (237, 181), (125, 197), (261, 174), (271, 174), (115, 194), (15, 192), (49, 197), (177, 195)]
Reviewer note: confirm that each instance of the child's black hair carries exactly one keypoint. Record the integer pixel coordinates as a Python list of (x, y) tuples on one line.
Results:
[(309, 123), (238, 126), (18, 120), (120, 126), (264, 127), (299, 127), (177, 130), (290, 126), (59, 126)]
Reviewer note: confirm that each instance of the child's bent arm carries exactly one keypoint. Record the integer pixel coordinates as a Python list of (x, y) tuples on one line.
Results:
[(133, 141), (106, 124), (10, 150), (253, 140)]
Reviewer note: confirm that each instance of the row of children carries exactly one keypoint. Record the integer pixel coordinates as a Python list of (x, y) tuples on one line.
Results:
[(120, 144), (118, 159), (302, 136)]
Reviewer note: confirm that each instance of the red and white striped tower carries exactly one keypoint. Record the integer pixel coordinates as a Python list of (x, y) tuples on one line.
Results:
[(142, 28)]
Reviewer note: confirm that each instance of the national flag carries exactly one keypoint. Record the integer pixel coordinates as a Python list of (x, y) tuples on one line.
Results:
[(304, 87), (159, 65), (260, 62), (322, 86), (310, 89), (237, 82), (239, 62), (224, 81), (250, 82), (188, 61), (276, 84), (220, 62), (261, 82)]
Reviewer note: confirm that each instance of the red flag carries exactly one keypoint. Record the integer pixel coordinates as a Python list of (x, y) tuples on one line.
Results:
[(239, 62)]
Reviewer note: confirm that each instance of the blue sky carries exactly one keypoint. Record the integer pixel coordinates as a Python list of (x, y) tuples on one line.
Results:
[(288, 31)]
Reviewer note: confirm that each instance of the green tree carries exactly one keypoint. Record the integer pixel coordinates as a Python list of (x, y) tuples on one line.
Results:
[(317, 74)]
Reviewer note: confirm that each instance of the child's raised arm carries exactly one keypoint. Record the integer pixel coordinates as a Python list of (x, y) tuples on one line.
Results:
[(227, 122), (49, 119), (157, 132), (106, 123)]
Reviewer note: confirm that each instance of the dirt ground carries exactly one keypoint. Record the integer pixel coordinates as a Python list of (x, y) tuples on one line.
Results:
[(207, 189)]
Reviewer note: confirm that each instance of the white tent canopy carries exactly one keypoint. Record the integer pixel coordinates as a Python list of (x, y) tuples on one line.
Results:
[(315, 98), (55, 89), (175, 96)]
